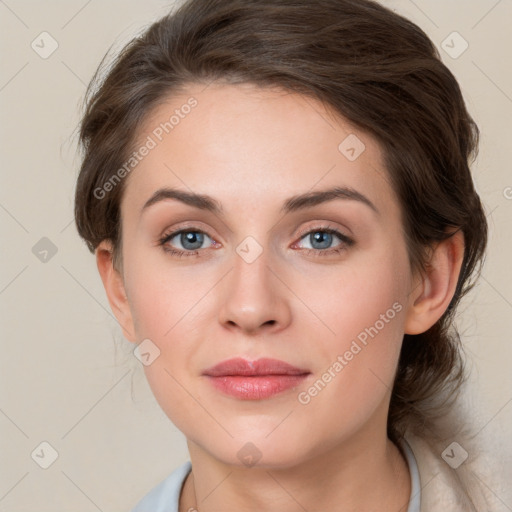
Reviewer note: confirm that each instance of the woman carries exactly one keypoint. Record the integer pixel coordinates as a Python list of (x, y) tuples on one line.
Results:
[(279, 198)]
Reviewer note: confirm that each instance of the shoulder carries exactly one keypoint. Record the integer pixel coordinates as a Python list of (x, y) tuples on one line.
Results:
[(164, 497), (448, 475)]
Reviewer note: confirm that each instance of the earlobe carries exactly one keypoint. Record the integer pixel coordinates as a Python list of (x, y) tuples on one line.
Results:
[(114, 288), (432, 295)]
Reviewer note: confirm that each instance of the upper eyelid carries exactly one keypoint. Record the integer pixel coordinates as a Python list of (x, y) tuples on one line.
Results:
[(324, 227), (302, 233), (195, 229)]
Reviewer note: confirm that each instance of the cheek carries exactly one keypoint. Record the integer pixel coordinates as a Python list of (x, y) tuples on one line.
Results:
[(364, 310), (369, 291), (165, 309), (161, 296)]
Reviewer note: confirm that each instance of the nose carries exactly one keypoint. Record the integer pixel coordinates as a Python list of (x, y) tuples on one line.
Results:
[(255, 298)]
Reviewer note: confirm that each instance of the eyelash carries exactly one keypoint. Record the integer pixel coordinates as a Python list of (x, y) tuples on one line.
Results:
[(345, 242)]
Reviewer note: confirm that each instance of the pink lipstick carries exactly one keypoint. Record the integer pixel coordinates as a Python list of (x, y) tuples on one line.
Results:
[(254, 380)]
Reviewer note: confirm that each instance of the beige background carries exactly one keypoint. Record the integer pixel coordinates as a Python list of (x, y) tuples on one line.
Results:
[(67, 376)]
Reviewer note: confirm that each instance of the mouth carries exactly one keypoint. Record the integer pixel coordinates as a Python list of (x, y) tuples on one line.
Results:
[(255, 380)]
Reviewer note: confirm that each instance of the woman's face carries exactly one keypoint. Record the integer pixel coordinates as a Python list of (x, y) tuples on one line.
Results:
[(275, 270)]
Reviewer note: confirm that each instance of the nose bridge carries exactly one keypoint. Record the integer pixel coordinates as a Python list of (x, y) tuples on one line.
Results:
[(254, 297), (252, 268)]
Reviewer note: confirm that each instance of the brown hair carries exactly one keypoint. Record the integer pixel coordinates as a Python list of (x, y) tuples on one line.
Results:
[(368, 64)]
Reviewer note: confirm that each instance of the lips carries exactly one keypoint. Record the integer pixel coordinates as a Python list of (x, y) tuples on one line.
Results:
[(260, 367), (254, 380)]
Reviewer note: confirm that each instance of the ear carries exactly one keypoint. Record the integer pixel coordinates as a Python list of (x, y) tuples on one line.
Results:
[(114, 287), (433, 292)]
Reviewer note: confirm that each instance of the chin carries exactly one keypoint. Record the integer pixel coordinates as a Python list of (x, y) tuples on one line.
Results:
[(259, 449), (254, 455)]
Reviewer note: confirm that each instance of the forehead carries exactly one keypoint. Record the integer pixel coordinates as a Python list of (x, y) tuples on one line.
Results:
[(253, 146)]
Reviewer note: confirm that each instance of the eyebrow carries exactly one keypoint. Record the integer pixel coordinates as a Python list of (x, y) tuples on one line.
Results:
[(310, 199), (294, 203)]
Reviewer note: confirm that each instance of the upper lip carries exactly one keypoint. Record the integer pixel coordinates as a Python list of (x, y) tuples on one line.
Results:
[(264, 366)]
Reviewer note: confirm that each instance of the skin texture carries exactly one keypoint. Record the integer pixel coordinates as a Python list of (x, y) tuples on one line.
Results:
[(252, 149)]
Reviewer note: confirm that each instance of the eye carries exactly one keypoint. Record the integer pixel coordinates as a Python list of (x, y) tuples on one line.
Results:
[(321, 241), (185, 242), (189, 242)]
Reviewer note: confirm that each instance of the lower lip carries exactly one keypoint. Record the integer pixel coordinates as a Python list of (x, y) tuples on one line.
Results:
[(256, 388)]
